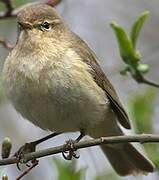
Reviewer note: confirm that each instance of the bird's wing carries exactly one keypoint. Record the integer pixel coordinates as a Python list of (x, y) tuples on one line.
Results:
[(100, 78)]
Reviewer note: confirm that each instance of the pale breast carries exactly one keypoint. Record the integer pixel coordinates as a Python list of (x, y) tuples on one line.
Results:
[(55, 94)]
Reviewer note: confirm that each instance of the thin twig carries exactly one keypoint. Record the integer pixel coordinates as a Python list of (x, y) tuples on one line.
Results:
[(53, 3), (141, 79), (9, 6), (9, 9), (143, 138), (28, 170), (6, 43), (12, 12), (148, 82)]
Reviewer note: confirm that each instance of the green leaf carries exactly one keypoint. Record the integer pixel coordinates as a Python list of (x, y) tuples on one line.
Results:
[(152, 152), (141, 108), (68, 171), (128, 52), (136, 28), (126, 49), (107, 175)]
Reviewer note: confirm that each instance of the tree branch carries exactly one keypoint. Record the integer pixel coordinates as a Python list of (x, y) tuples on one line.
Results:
[(143, 138)]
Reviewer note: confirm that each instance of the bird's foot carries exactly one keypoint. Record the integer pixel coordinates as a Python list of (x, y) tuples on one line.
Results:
[(31, 147), (20, 154), (69, 150), (70, 153)]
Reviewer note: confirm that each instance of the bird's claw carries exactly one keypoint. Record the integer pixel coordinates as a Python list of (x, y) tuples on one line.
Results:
[(70, 153), (27, 148)]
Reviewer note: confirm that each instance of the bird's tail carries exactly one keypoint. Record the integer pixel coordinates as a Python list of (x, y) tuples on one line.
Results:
[(126, 160)]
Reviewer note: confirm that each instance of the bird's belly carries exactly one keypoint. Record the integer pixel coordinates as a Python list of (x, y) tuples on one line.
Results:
[(64, 99), (63, 108)]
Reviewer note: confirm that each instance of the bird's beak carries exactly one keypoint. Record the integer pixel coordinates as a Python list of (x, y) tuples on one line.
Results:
[(25, 25)]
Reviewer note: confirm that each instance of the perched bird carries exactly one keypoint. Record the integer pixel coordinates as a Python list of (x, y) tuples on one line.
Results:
[(55, 81)]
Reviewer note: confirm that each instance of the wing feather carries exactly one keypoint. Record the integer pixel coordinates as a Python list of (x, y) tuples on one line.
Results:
[(100, 78)]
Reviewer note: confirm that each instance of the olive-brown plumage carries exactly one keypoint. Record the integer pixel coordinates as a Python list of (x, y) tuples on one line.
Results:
[(54, 80)]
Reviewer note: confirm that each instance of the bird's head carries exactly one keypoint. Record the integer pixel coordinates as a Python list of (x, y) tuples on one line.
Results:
[(38, 23)]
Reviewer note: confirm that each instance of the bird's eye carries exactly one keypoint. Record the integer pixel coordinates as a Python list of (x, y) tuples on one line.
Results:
[(46, 25)]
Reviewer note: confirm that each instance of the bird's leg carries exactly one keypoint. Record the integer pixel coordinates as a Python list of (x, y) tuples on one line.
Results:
[(70, 145), (31, 147), (39, 141), (82, 134)]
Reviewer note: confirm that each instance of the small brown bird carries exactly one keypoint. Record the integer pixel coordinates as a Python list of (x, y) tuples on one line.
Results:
[(54, 80)]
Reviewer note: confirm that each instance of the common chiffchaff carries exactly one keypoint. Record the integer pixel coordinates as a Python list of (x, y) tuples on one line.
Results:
[(54, 80)]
